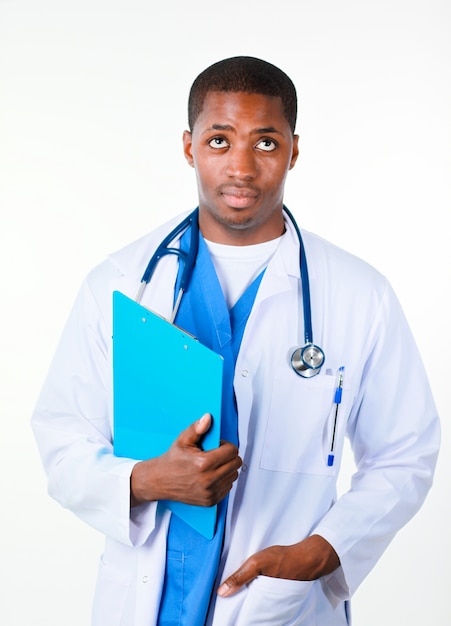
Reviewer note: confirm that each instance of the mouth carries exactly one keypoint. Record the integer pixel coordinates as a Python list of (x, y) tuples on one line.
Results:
[(239, 197)]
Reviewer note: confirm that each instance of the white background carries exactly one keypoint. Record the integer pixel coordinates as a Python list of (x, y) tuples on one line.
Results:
[(92, 108)]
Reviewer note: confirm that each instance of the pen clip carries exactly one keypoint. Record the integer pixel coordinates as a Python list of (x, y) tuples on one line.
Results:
[(339, 385)]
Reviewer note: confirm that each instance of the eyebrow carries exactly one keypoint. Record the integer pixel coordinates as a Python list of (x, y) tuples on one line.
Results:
[(256, 131)]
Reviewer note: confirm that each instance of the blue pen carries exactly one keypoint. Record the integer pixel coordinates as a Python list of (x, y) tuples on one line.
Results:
[(337, 401)]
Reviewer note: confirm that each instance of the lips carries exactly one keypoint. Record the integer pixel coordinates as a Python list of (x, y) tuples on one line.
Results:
[(239, 197)]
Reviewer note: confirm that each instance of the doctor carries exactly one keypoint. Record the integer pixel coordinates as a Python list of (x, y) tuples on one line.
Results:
[(286, 551)]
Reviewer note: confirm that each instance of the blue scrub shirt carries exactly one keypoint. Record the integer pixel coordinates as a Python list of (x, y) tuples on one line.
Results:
[(192, 560)]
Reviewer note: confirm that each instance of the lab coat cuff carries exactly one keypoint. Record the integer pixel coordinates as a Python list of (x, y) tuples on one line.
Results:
[(335, 588), (334, 585), (132, 526), (142, 520)]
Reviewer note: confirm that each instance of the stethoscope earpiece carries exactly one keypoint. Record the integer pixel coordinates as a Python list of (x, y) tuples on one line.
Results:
[(308, 360)]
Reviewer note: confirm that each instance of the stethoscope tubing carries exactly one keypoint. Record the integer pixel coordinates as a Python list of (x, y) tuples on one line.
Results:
[(306, 302), (305, 361), (188, 259)]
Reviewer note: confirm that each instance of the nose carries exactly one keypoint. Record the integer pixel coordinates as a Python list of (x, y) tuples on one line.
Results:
[(241, 163)]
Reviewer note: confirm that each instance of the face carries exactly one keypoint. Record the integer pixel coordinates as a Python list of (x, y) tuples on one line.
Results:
[(241, 148)]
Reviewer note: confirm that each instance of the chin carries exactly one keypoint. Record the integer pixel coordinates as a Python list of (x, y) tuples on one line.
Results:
[(238, 222)]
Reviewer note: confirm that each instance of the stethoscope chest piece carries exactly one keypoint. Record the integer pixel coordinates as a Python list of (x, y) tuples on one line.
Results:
[(307, 360)]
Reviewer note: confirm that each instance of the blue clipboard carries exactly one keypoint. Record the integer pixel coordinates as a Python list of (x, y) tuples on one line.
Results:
[(163, 380)]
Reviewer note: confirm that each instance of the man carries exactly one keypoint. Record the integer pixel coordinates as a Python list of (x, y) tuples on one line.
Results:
[(285, 551)]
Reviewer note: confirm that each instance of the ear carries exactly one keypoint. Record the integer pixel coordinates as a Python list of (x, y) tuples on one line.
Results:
[(295, 152), (187, 147)]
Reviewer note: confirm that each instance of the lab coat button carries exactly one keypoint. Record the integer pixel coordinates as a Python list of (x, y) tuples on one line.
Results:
[(244, 467), (244, 373), (145, 579)]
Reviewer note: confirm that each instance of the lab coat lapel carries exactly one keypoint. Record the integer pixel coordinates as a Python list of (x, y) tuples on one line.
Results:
[(283, 270)]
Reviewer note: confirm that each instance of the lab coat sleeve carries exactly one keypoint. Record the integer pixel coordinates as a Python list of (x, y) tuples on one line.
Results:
[(394, 432), (72, 426)]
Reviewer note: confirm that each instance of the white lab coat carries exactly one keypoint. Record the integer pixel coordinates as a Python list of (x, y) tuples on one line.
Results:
[(285, 490)]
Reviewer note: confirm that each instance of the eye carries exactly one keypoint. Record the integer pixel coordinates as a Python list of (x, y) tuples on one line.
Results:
[(217, 142), (268, 145)]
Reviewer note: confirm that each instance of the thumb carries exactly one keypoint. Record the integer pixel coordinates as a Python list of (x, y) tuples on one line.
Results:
[(191, 435), (254, 566), (244, 575), (203, 425)]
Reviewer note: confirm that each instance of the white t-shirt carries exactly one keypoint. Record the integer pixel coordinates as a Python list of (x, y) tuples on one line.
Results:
[(238, 266)]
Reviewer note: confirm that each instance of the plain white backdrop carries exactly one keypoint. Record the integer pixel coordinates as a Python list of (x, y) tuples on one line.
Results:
[(92, 108)]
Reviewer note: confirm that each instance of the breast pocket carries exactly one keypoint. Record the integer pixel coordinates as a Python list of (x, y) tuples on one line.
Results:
[(300, 424)]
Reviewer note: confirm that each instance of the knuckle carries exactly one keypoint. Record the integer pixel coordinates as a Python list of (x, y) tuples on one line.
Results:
[(202, 463), (234, 579), (209, 499)]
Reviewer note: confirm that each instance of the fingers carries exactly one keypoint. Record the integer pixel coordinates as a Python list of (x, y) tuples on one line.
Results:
[(194, 476), (225, 456), (216, 471), (213, 459)]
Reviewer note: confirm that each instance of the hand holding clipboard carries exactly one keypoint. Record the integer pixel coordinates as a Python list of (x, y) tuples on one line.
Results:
[(164, 380), (186, 473)]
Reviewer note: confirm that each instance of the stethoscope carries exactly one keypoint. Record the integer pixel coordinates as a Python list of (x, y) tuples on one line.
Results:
[(306, 360)]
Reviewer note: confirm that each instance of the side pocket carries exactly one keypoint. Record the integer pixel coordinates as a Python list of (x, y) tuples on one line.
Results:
[(111, 594), (278, 602)]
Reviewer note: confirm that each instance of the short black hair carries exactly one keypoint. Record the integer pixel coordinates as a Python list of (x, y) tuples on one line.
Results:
[(246, 74)]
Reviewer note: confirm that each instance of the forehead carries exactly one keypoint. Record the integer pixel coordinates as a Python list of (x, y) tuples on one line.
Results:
[(241, 108)]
